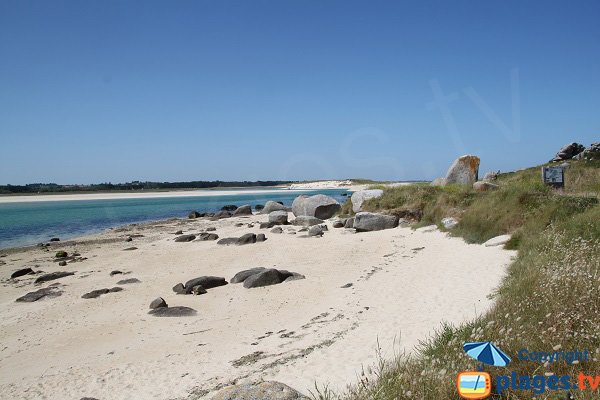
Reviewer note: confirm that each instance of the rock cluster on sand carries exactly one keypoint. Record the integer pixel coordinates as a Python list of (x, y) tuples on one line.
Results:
[(268, 390), (359, 197), (367, 222), (199, 285), (259, 276), (248, 238), (318, 206)]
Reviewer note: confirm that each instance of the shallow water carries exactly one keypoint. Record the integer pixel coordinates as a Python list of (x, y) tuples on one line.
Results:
[(33, 222)]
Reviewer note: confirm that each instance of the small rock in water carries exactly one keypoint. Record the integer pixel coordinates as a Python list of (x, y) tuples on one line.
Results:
[(21, 272), (229, 207), (55, 239), (178, 311), (158, 303), (129, 280)]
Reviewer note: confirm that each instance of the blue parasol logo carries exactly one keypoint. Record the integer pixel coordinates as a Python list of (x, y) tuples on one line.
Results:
[(487, 353)]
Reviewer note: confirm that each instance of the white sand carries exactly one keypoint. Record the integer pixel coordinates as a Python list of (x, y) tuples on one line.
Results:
[(110, 348)]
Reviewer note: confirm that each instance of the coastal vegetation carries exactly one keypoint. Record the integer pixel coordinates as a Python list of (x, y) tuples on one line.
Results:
[(548, 301), (34, 188)]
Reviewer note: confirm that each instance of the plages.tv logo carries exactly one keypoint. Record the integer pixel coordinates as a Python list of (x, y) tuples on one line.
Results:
[(478, 384)]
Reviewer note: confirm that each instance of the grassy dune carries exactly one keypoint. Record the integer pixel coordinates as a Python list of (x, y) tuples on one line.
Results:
[(549, 300)]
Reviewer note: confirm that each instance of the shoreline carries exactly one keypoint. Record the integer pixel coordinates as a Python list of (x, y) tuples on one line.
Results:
[(295, 188)]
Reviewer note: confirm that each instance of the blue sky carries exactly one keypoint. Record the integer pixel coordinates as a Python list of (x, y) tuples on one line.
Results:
[(94, 91)]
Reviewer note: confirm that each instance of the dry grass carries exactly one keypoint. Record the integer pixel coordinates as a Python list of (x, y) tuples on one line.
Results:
[(550, 297)]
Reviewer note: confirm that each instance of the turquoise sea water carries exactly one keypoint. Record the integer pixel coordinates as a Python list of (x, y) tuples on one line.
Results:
[(34, 222)]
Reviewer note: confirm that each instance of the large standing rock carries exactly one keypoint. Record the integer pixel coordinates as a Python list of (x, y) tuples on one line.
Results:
[(304, 220), (265, 278), (568, 151), (271, 206), (268, 390), (279, 217), (243, 210), (358, 198), (318, 206), (367, 222), (245, 274), (464, 170)]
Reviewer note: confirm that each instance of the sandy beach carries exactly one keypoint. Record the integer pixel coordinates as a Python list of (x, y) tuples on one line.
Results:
[(404, 283)]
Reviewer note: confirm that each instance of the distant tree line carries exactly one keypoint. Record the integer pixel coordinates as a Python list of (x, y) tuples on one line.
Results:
[(135, 185)]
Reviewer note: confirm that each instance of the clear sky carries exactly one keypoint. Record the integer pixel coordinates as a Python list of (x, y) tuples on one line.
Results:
[(95, 91)]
